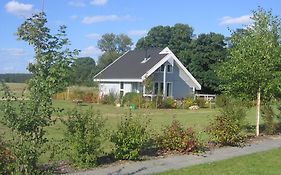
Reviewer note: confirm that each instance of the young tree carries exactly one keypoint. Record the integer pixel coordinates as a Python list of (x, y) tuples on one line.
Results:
[(253, 70), (50, 74)]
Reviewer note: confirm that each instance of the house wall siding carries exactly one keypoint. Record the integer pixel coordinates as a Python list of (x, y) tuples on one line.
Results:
[(180, 88), (107, 87)]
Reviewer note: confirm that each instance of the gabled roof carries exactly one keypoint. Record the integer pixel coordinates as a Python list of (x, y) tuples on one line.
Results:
[(137, 65), (132, 65)]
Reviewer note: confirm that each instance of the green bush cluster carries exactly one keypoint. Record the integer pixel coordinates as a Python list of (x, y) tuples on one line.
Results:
[(268, 117), (227, 127), (132, 98), (7, 159), (84, 137), (176, 138), (110, 99), (129, 138)]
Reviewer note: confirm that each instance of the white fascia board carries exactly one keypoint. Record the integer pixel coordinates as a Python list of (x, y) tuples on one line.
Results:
[(156, 66), (118, 80), (181, 66), (111, 64), (196, 83)]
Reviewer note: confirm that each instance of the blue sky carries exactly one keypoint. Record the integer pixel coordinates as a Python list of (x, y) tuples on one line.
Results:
[(87, 20)]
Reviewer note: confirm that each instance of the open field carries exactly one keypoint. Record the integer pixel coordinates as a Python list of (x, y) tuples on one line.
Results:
[(268, 163)]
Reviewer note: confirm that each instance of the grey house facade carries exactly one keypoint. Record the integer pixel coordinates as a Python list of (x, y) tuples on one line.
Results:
[(150, 72)]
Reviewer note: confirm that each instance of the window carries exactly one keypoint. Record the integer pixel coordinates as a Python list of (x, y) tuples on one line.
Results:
[(169, 89), (156, 88), (161, 88), (162, 68), (122, 85), (169, 68)]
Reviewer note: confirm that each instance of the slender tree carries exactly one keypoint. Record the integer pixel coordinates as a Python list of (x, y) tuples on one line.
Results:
[(253, 70)]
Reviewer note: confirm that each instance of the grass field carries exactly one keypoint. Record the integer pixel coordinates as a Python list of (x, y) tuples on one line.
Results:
[(264, 163)]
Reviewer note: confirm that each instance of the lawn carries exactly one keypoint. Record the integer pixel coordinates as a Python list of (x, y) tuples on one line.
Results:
[(268, 163)]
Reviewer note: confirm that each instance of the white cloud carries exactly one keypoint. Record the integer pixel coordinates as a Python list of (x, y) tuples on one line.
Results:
[(12, 52), (91, 51), (228, 20), (101, 18), (139, 33), (77, 3), (98, 2), (19, 9), (74, 17), (93, 36)]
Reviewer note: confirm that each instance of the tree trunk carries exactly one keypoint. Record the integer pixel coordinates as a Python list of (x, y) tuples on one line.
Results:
[(258, 112)]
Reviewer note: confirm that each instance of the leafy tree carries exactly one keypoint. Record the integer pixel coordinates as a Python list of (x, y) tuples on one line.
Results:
[(177, 38), (110, 42), (83, 70), (50, 74), (113, 47), (207, 51), (253, 70)]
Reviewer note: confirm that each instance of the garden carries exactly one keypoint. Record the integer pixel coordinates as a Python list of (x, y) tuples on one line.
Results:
[(48, 125)]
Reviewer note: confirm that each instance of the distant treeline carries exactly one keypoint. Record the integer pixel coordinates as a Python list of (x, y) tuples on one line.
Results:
[(15, 77)]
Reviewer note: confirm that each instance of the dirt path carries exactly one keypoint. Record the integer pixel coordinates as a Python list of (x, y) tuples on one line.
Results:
[(180, 161)]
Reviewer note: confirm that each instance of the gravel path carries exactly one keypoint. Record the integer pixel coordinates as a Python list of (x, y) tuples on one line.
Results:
[(180, 161)]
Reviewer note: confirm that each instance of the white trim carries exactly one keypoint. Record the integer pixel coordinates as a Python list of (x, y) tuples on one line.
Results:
[(166, 58), (118, 80), (110, 64)]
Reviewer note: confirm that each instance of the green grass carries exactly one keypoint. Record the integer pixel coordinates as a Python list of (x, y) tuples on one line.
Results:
[(264, 163)]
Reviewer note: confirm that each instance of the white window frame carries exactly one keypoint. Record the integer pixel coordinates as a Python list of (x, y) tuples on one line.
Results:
[(172, 86)]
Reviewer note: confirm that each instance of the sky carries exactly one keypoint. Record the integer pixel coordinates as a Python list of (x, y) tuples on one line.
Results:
[(88, 20)]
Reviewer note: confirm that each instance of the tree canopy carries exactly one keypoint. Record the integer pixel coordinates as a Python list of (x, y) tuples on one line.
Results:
[(253, 69), (207, 51), (83, 70)]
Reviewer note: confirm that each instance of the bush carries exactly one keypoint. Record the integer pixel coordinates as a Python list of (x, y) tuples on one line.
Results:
[(200, 102), (111, 98), (7, 160), (176, 138), (130, 138), (187, 103), (83, 137), (268, 116), (132, 98), (227, 127), (168, 103), (221, 101)]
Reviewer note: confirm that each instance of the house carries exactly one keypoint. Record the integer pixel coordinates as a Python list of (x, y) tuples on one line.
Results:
[(151, 72)]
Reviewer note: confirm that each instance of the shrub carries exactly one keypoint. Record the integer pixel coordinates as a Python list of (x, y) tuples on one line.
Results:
[(268, 116), (221, 100), (83, 136), (7, 159), (227, 127), (168, 103), (177, 138), (187, 103), (109, 99), (200, 102), (130, 138), (132, 98)]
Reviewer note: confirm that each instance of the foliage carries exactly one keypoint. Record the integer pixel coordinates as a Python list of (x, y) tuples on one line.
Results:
[(201, 102), (110, 42), (82, 71), (15, 77), (222, 100), (176, 37), (207, 51), (168, 103), (227, 127), (130, 137), (113, 47), (109, 99), (268, 116), (253, 68), (84, 137), (7, 159), (50, 73), (177, 138), (187, 102), (132, 98)]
